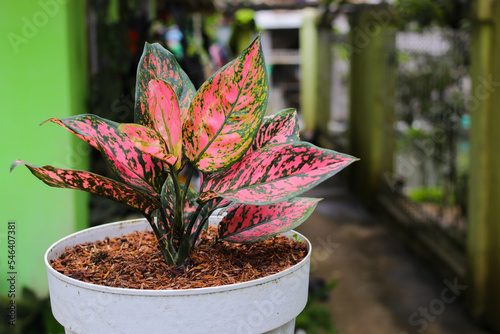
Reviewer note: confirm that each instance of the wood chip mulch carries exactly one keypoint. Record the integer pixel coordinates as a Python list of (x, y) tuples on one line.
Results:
[(134, 261)]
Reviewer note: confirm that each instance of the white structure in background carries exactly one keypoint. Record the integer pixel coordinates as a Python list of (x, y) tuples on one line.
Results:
[(280, 42)]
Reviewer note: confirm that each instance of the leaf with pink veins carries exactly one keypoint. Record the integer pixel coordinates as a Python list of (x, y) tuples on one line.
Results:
[(246, 223), (165, 116), (93, 183), (279, 128), (227, 111), (276, 173), (158, 63), (125, 160), (148, 141)]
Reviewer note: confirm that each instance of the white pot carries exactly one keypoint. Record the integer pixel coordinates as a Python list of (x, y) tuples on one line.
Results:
[(264, 305)]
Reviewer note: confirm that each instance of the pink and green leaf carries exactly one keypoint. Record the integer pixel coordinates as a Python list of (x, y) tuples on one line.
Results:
[(190, 206), (158, 63), (168, 199), (279, 128), (93, 183), (148, 141), (165, 115), (245, 223), (132, 166), (190, 212), (276, 173), (207, 196), (203, 216), (227, 111), (200, 217)]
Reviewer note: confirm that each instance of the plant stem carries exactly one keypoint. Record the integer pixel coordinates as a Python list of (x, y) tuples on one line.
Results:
[(188, 178), (204, 221), (185, 245), (215, 242), (164, 220), (168, 229), (167, 256), (179, 202), (187, 232)]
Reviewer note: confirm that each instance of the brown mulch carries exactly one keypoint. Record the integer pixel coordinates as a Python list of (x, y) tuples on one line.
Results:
[(134, 261)]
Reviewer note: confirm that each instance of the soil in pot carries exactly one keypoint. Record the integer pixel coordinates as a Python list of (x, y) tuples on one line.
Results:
[(134, 261)]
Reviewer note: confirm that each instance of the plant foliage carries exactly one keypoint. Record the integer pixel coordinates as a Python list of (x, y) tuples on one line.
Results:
[(255, 166)]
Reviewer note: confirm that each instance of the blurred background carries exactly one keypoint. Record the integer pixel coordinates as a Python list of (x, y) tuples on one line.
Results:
[(407, 240)]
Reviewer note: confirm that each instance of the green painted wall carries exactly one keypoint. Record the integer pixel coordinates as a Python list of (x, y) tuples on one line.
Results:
[(43, 74)]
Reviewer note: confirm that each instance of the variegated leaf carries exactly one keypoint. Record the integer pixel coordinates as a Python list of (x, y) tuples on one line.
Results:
[(279, 128), (93, 183), (190, 212), (201, 218), (127, 162), (148, 141), (227, 111), (246, 223), (276, 173), (168, 199), (83, 126), (190, 207), (158, 63), (207, 196), (165, 116)]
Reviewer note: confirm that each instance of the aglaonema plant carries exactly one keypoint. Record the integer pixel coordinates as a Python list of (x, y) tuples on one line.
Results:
[(253, 166)]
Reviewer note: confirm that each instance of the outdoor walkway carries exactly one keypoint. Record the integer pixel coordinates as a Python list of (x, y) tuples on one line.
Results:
[(382, 288)]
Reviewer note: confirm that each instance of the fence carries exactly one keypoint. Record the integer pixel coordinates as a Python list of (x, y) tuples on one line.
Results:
[(422, 155), (431, 129)]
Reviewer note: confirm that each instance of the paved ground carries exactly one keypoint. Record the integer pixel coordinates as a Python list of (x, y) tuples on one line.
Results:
[(382, 289)]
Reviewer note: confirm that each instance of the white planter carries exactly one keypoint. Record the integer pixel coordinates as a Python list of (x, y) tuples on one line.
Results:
[(265, 305)]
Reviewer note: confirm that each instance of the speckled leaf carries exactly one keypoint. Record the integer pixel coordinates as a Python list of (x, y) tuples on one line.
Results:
[(168, 198), (127, 162), (227, 111), (93, 183), (245, 223), (84, 126), (207, 196), (276, 173), (158, 63), (190, 207), (279, 128), (165, 116), (148, 141), (189, 212), (189, 215)]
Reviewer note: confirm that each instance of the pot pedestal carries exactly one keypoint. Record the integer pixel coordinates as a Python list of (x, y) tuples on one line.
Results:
[(265, 305), (288, 328)]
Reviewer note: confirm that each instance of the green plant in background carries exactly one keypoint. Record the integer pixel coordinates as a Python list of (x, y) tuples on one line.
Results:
[(434, 195), (113, 61), (447, 13), (315, 318), (33, 315), (432, 104)]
